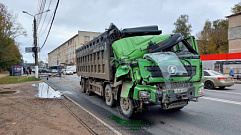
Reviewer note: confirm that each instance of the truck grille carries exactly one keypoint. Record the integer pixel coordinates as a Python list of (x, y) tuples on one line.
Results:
[(156, 72)]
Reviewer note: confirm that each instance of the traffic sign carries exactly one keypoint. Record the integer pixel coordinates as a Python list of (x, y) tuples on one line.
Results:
[(31, 49)]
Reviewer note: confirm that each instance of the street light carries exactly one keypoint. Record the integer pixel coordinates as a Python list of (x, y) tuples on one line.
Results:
[(35, 40)]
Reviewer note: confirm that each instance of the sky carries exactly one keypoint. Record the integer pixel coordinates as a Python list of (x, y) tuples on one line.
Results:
[(96, 15)]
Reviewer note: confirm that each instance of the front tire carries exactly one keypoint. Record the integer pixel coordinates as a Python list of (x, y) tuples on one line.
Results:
[(109, 96), (209, 85), (126, 106)]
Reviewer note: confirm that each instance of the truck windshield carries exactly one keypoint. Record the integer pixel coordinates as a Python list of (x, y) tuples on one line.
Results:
[(169, 64)]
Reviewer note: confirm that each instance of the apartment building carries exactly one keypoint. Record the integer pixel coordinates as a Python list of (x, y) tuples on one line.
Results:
[(65, 53), (234, 33)]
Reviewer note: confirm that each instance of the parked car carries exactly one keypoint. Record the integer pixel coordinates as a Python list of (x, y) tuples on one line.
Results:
[(33, 70), (54, 71), (214, 79), (47, 71), (41, 70), (67, 72)]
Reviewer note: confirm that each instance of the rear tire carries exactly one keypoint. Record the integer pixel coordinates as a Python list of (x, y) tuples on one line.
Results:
[(88, 92), (83, 86), (126, 106), (109, 96), (209, 85)]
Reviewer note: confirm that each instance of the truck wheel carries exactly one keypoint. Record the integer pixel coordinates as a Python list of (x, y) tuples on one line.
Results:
[(109, 96), (126, 107), (83, 86), (88, 92)]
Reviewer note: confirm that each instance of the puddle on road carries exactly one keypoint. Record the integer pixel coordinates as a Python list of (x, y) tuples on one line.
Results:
[(8, 92), (45, 91), (131, 124)]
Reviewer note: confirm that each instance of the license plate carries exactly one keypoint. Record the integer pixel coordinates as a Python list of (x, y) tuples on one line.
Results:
[(180, 90)]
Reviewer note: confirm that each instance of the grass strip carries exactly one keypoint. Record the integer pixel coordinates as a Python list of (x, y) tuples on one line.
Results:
[(4, 72), (17, 79)]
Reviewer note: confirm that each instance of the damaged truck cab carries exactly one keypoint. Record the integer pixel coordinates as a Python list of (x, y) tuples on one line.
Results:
[(145, 69)]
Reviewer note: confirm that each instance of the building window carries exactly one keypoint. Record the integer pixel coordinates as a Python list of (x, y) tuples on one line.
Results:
[(86, 38)]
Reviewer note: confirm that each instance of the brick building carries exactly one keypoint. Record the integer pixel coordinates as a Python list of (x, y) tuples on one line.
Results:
[(234, 33)]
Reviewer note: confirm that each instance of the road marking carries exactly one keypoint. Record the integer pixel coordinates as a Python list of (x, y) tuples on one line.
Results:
[(222, 100), (224, 92), (107, 125)]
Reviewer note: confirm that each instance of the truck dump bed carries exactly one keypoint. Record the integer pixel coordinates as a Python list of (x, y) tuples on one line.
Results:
[(93, 59)]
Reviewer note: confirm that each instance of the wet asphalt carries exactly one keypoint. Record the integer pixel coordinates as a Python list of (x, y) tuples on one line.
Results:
[(218, 113)]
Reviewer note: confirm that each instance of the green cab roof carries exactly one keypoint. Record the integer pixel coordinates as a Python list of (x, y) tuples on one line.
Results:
[(131, 47)]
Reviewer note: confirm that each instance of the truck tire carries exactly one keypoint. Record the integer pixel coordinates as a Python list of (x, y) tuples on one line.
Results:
[(126, 107), (88, 92), (83, 86), (109, 96)]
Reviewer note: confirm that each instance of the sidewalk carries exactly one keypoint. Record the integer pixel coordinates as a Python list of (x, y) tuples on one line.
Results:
[(237, 81), (23, 113)]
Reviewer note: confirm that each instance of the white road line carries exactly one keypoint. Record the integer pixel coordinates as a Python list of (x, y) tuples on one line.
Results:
[(107, 125), (224, 92), (222, 100)]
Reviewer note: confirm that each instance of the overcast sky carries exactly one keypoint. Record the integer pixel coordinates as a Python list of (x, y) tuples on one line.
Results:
[(96, 15)]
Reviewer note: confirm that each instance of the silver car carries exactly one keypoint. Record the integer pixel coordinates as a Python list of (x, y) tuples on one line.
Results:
[(214, 79), (67, 72)]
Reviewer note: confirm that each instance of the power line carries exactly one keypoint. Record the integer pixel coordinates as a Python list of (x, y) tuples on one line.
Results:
[(41, 10), (44, 20), (40, 7), (50, 24), (46, 26)]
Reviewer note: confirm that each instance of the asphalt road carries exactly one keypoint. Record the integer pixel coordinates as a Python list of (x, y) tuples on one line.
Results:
[(218, 112)]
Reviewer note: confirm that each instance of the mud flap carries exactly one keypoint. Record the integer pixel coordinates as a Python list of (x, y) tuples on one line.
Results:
[(126, 86)]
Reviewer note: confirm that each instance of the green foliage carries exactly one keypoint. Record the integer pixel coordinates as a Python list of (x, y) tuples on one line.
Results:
[(213, 39), (182, 26), (236, 9), (9, 30), (17, 79)]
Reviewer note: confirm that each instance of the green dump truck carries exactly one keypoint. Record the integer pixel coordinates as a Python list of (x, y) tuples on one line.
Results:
[(135, 68)]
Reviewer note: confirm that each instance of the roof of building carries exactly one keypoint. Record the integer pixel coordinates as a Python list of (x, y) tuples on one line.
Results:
[(233, 15)]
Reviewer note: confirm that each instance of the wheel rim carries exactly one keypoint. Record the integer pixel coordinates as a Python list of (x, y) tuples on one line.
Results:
[(82, 86), (107, 95), (87, 88), (209, 85), (125, 104)]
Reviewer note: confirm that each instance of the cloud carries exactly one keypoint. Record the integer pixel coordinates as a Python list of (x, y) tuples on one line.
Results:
[(96, 15)]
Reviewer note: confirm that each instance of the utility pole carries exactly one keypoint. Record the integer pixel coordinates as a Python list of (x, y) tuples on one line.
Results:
[(35, 45), (35, 40)]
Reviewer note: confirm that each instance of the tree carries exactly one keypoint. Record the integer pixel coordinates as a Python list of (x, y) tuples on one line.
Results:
[(236, 9), (213, 39), (182, 26), (9, 30)]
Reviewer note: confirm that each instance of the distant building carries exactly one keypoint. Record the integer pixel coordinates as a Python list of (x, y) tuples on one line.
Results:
[(65, 53), (234, 33)]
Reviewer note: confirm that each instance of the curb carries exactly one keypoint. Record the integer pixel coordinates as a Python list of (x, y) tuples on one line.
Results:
[(237, 82), (105, 124)]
